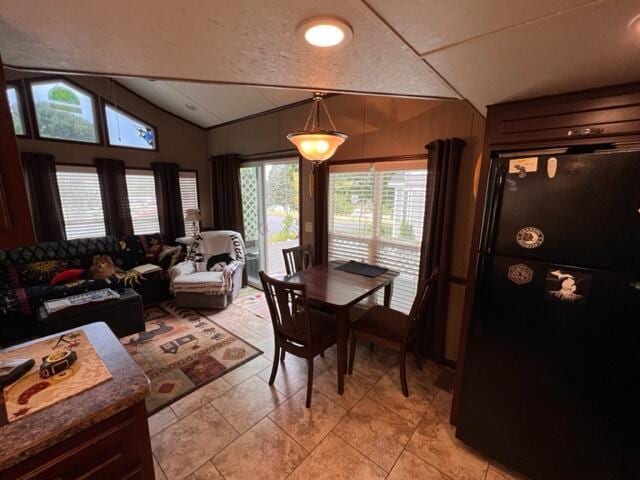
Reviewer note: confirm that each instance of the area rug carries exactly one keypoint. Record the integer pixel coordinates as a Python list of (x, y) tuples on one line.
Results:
[(182, 350), (254, 302)]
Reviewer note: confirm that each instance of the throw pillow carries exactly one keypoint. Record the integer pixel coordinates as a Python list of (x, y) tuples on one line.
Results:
[(216, 263), (67, 276), (169, 256), (153, 253)]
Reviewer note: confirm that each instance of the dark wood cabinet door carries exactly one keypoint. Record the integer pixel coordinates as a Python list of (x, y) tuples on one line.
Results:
[(16, 227)]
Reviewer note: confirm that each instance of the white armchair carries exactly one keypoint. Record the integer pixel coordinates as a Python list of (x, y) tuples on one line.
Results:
[(215, 280)]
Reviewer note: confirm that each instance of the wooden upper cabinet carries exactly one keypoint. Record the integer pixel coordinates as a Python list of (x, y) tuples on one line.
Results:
[(16, 227), (605, 113)]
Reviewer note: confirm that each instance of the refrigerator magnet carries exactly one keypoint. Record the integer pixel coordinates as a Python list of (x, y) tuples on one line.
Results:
[(530, 237), (567, 286), (520, 274), (522, 166), (552, 167)]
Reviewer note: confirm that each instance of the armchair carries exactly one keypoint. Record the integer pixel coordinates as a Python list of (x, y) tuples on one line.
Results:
[(214, 279)]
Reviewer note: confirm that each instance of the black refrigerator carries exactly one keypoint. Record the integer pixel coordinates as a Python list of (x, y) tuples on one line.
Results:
[(551, 383)]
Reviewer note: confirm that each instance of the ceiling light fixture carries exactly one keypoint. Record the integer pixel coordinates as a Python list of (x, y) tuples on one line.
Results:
[(313, 143), (326, 32)]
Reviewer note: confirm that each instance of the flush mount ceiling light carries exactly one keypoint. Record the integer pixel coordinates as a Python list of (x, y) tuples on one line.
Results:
[(313, 143), (326, 32), (634, 26)]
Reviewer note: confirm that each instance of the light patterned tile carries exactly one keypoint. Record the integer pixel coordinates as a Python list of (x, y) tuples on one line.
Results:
[(388, 392), (334, 459), (267, 345), (373, 363), (206, 472), (308, 426), (158, 471), (187, 444), (161, 420), (355, 387), (200, 397), (376, 432), (240, 374), (245, 405), (434, 442), (263, 452), (442, 403), (410, 467), (292, 373)]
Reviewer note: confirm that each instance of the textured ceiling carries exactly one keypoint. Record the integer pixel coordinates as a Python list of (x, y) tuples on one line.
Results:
[(487, 51), (215, 103)]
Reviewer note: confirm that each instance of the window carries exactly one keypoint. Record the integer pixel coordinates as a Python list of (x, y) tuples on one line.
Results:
[(63, 111), (189, 195), (376, 215), (141, 188), (81, 201), (124, 130), (16, 110)]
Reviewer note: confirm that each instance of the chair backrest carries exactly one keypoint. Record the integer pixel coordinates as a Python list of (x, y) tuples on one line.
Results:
[(297, 258), (423, 295), (289, 309)]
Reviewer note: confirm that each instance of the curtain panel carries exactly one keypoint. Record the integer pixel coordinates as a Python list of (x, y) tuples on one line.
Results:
[(442, 179), (170, 212), (321, 212), (44, 197), (115, 198)]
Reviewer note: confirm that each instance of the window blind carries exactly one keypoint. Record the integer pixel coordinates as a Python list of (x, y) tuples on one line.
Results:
[(376, 215), (81, 201), (142, 201), (189, 195)]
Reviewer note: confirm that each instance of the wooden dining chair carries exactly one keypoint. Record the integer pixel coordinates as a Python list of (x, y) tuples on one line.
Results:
[(392, 329), (298, 329), (297, 258)]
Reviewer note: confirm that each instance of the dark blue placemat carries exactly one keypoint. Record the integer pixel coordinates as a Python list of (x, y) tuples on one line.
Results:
[(360, 268)]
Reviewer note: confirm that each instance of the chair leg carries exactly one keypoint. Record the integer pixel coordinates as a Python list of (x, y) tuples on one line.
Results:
[(403, 373), (274, 368), (352, 352), (282, 355), (309, 381)]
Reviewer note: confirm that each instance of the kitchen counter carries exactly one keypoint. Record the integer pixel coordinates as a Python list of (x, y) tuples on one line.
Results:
[(58, 424)]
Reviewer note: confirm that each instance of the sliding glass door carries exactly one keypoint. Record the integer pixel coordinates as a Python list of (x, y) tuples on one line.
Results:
[(271, 211)]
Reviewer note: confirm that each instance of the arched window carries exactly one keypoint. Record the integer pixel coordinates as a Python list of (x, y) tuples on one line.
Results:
[(125, 130)]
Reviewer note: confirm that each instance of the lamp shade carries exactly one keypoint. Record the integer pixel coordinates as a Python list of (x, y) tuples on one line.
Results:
[(192, 215), (317, 146)]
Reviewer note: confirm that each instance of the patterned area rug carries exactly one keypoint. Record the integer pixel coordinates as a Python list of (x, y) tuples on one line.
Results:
[(182, 350), (254, 302)]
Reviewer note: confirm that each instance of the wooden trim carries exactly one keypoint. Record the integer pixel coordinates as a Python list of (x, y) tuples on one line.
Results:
[(458, 280), (389, 158), (22, 105), (274, 155), (103, 104), (94, 99)]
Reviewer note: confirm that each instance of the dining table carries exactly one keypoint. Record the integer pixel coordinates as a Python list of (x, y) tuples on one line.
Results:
[(338, 291)]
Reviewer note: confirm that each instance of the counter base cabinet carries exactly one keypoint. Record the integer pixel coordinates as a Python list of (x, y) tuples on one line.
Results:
[(116, 448)]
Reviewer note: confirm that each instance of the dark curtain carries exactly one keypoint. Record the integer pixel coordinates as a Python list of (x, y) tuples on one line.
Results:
[(115, 199), (320, 217), (170, 211), (442, 179), (44, 197), (227, 196)]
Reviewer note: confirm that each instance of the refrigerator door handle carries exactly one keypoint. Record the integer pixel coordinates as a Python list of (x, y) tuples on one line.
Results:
[(496, 195), (478, 307)]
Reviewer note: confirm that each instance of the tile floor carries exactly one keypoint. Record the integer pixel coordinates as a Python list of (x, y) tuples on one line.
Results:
[(239, 427)]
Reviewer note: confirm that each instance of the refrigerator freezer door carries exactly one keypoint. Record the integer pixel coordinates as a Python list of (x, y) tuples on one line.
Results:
[(575, 209), (551, 382)]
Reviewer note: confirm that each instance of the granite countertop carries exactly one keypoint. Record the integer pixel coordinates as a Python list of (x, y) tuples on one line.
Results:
[(128, 386)]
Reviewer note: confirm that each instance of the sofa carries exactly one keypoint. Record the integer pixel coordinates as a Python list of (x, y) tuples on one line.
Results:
[(212, 274), (26, 274)]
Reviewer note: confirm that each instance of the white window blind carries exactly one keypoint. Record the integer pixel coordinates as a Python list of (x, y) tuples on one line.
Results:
[(81, 201), (376, 215), (142, 201), (189, 195)]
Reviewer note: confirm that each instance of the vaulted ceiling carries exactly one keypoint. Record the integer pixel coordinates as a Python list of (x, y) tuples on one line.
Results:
[(487, 51)]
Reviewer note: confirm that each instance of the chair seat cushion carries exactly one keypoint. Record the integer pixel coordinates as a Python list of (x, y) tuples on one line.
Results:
[(322, 324), (200, 282), (383, 322)]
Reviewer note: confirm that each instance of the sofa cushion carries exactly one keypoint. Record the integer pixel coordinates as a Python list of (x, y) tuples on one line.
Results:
[(66, 276)]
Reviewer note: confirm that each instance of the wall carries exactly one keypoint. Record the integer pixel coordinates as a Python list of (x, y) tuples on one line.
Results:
[(378, 127), (179, 141)]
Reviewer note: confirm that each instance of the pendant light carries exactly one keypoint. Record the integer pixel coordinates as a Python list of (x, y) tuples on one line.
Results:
[(313, 143)]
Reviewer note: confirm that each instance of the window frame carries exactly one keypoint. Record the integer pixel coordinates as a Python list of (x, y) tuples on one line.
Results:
[(193, 170), (22, 107), (103, 111), (95, 101)]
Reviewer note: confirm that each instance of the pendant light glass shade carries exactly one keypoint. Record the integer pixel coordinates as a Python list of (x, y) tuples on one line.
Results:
[(313, 143)]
